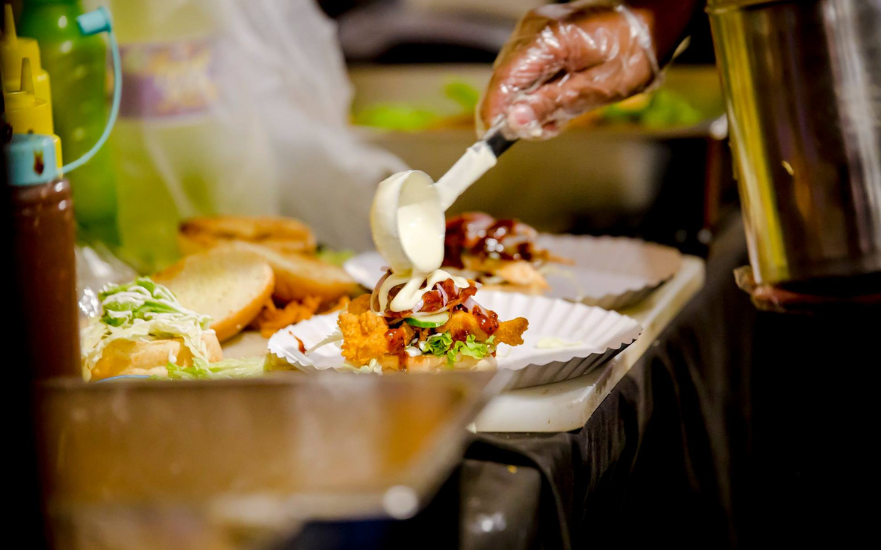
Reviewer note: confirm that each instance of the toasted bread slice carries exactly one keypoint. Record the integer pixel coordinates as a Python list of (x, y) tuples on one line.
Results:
[(298, 276), (149, 357), (285, 235), (231, 286)]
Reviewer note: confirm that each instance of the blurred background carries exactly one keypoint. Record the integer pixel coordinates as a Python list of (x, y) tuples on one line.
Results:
[(298, 108), (656, 166)]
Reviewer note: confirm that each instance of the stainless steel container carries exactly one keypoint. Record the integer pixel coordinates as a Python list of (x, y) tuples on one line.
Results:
[(202, 464), (803, 87)]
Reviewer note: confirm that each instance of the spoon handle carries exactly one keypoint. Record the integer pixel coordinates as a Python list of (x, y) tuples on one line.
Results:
[(497, 142)]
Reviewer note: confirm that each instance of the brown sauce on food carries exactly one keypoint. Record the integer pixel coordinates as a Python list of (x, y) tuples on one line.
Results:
[(396, 338), (488, 321), (443, 295), (478, 234)]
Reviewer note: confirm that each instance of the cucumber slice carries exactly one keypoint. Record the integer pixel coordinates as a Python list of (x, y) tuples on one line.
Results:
[(429, 321)]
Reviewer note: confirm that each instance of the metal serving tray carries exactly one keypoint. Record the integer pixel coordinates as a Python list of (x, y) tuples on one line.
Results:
[(127, 462)]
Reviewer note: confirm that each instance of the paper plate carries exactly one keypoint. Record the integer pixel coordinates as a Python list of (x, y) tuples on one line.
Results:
[(609, 272), (564, 339)]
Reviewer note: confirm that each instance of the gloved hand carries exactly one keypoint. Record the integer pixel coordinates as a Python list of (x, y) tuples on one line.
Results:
[(564, 60)]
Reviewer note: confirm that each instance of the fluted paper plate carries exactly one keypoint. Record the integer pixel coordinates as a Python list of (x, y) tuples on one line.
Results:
[(609, 272), (585, 338)]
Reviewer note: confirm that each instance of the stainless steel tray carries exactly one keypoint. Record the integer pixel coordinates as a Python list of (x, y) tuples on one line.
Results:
[(260, 455)]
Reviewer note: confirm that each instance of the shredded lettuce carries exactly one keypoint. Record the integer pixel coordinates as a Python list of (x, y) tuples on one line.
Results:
[(442, 344), (470, 348), (439, 344), (141, 311), (143, 299), (225, 369)]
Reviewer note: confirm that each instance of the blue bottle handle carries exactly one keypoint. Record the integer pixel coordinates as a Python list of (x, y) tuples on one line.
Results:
[(91, 23)]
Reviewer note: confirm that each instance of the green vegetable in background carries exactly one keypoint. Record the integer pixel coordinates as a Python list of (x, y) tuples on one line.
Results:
[(335, 257), (393, 116), (464, 94), (663, 108), (409, 117)]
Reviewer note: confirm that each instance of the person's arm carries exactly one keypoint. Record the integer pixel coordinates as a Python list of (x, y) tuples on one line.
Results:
[(565, 59)]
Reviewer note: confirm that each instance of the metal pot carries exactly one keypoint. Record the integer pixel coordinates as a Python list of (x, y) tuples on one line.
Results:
[(802, 81)]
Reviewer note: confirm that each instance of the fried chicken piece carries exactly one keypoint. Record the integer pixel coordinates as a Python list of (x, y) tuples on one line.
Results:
[(363, 336), (360, 305), (511, 332), (461, 324), (272, 319)]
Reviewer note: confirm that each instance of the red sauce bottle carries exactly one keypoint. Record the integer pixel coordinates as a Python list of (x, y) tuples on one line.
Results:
[(44, 255)]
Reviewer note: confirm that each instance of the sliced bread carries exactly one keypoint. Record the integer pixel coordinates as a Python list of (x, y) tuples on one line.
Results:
[(285, 235), (129, 357), (231, 286), (298, 276)]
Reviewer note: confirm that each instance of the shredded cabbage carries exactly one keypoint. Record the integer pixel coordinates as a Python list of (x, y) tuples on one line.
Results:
[(141, 311)]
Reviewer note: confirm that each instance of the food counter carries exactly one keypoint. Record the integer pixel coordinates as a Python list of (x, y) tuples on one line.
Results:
[(275, 311), (705, 441)]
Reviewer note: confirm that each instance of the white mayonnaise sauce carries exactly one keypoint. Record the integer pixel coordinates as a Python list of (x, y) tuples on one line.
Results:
[(408, 225)]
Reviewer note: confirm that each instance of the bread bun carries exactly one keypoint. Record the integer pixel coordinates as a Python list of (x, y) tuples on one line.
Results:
[(285, 235), (298, 276), (129, 357), (231, 286)]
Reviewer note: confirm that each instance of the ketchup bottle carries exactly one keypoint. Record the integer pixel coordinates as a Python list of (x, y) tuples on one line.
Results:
[(44, 257)]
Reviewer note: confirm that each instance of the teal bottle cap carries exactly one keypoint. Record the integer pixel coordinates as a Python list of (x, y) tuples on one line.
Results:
[(31, 159), (94, 22)]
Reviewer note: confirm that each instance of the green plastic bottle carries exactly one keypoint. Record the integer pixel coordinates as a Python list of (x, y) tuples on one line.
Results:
[(77, 66)]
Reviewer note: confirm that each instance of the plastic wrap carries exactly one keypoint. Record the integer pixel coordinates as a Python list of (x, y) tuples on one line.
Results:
[(235, 107), (96, 267), (564, 60)]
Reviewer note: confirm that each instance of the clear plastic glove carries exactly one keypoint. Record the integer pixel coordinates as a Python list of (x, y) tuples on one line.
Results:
[(564, 60)]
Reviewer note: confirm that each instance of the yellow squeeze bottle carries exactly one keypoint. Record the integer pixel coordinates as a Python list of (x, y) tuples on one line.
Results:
[(15, 49), (27, 113)]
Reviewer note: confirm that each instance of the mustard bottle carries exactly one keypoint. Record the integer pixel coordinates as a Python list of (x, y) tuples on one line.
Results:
[(15, 49), (27, 113)]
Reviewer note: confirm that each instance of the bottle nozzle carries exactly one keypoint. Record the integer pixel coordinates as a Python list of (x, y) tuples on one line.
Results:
[(9, 24), (27, 78)]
